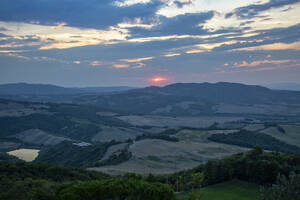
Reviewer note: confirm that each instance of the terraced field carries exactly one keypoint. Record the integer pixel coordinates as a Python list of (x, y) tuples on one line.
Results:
[(290, 136), (176, 122), (160, 156), (39, 137)]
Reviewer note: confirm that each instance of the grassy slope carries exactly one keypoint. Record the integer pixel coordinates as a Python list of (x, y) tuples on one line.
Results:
[(233, 190), (291, 135)]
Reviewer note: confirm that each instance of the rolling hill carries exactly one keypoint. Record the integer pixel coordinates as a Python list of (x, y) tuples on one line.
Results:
[(199, 99), (52, 93), (47, 89), (164, 129)]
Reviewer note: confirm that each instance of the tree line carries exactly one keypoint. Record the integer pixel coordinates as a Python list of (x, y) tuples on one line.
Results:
[(250, 139), (254, 166)]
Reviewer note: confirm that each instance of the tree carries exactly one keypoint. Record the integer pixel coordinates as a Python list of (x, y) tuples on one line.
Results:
[(285, 189), (195, 195), (197, 179)]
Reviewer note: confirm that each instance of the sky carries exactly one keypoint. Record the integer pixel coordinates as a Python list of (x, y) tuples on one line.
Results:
[(149, 42)]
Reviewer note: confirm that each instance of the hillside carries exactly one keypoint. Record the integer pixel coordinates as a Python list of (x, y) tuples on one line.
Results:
[(34, 89), (155, 130), (36, 181), (232, 190), (51, 93), (237, 177), (47, 89), (200, 99), (180, 99), (162, 142), (284, 86)]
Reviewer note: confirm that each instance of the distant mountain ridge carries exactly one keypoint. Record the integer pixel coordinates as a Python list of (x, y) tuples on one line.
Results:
[(179, 99), (284, 86), (225, 92), (47, 89), (197, 98)]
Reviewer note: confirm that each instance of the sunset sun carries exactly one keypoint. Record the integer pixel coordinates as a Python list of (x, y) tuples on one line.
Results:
[(158, 79)]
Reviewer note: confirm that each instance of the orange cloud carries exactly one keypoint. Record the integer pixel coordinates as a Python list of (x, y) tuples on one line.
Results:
[(135, 60), (76, 62), (118, 66), (172, 54), (260, 62), (275, 46), (10, 51), (96, 63), (59, 26), (195, 51)]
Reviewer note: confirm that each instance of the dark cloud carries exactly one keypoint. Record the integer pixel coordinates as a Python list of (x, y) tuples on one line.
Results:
[(271, 36), (247, 22), (77, 13), (185, 24), (180, 4), (26, 42), (286, 10), (253, 10), (3, 35), (125, 50), (266, 19), (3, 29)]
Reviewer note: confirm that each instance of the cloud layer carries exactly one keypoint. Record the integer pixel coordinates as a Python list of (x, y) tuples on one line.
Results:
[(125, 42), (79, 13)]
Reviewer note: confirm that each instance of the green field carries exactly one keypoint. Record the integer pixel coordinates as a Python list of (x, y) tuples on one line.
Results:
[(233, 190)]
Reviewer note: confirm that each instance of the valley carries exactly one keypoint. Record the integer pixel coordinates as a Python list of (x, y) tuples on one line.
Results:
[(165, 138), (176, 128)]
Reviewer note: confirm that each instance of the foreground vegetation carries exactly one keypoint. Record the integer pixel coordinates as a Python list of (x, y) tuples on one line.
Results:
[(286, 188), (122, 188), (254, 166), (35, 181), (232, 190)]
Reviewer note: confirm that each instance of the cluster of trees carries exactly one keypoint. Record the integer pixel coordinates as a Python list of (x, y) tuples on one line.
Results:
[(117, 188), (40, 181), (19, 180), (69, 154), (157, 136), (165, 135), (286, 188), (22, 170), (250, 139), (6, 157), (252, 166), (27, 189)]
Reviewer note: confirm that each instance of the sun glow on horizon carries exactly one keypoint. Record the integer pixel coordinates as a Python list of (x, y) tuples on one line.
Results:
[(158, 79)]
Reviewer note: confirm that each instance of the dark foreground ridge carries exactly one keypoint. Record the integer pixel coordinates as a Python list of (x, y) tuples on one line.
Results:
[(33, 181)]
